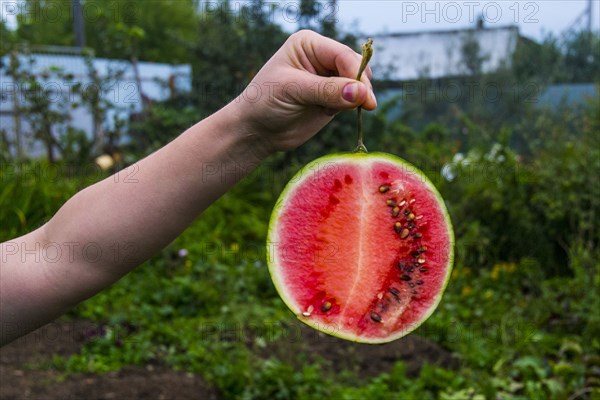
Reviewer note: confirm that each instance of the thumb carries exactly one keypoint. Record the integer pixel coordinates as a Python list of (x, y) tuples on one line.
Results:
[(336, 93)]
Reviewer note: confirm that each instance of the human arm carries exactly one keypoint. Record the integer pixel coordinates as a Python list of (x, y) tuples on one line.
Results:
[(109, 228)]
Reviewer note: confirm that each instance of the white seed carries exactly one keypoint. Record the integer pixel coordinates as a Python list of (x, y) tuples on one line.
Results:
[(306, 314), (310, 309)]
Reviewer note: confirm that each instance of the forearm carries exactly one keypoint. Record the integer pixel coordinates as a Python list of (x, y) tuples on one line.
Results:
[(143, 208), (109, 228)]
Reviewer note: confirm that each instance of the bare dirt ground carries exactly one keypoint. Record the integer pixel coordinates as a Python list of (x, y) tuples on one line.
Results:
[(19, 381), (22, 378)]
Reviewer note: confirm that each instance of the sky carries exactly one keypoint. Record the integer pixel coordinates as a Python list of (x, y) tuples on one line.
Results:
[(534, 18)]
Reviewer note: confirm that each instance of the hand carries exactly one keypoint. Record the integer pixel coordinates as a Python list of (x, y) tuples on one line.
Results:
[(300, 89)]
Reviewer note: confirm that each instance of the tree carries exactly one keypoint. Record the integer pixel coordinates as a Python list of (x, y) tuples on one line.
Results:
[(582, 57), (230, 49), (165, 25), (47, 117)]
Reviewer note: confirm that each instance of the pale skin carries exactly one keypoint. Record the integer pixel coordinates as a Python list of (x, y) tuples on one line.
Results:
[(109, 228)]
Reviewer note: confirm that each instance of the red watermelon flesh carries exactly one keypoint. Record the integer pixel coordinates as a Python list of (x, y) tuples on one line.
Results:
[(361, 246)]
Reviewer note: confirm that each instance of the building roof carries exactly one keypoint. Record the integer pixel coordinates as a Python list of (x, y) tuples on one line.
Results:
[(438, 54)]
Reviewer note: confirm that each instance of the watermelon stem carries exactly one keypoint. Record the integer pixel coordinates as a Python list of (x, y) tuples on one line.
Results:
[(367, 52)]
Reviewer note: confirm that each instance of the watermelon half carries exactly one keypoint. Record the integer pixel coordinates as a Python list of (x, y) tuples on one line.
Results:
[(360, 246)]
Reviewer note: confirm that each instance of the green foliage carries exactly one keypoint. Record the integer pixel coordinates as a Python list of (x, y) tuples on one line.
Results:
[(30, 193), (576, 58), (231, 50), (161, 124), (114, 29)]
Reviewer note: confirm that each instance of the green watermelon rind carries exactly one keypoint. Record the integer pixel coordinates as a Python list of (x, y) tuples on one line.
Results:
[(297, 180)]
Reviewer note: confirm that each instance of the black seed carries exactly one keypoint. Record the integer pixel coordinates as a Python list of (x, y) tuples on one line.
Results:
[(326, 306), (404, 233), (383, 188), (409, 269), (419, 282), (407, 211), (395, 211), (415, 253), (423, 269), (423, 249), (411, 225), (405, 277), (391, 203), (398, 227), (375, 317), (395, 292), (411, 284), (418, 235)]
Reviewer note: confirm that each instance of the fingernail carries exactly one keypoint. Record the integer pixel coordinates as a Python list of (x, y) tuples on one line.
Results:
[(350, 92)]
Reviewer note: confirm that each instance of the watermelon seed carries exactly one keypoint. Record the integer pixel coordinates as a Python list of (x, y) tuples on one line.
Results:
[(414, 291), (418, 235), (404, 233), (411, 225), (380, 296), (411, 284), (421, 260), (403, 202), (308, 311), (419, 282), (375, 317), (415, 253), (410, 217), (407, 211), (423, 249), (419, 217), (383, 188), (405, 277), (395, 292), (391, 203), (395, 211), (398, 227), (423, 269), (326, 306), (412, 201)]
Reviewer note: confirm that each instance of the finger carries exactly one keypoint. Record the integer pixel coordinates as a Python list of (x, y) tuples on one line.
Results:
[(325, 55), (334, 93)]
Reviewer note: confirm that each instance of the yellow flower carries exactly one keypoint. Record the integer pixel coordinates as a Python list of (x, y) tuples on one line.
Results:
[(510, 267), (466, 291), (495, 271)]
